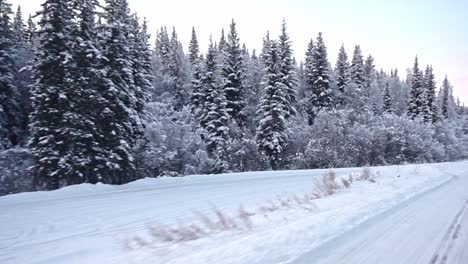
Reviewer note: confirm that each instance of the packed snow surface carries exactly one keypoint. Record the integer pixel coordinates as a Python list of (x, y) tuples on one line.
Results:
[(411, 212)]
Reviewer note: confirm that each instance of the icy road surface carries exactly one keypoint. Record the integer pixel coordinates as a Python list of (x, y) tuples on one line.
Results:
[(412, 214), (431, 228)]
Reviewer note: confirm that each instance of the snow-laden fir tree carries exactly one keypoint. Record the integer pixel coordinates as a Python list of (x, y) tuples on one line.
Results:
[(121, 120), (309, 82), (266, 42), (52, 130), (357, 74), (387, 100), (214, 116), (30, 31), (194, 48), (321, 98), (163, 49), (196, 96), (369, 75), (445, 100), (416, 97), (10, 112), (222, 42), (342, 75), (178, 70), (356, 92), (430, 103), (272, 131), (287, 69), (84, 158), (19, 28), (23, 57), (253, 86), (141, 64), (233, 77)]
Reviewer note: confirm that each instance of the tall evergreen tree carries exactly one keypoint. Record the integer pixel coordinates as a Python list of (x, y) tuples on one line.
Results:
[(141, 65), (319, 79), (357, 74), (10, 113), (416, 100), (122, 120), (222, 42), (30, 31), (342, 75), (163, 49), (178, 72), (266, 43), (194, 48), (85, 157), (430, 104), (214, 117), (356, 94), (272, 131), (51, 130), (19, 28), (321, 75), (445, 98), (233, 77), (196, 97), (287, 69), (369, 75), (387, 100), (309, 81)]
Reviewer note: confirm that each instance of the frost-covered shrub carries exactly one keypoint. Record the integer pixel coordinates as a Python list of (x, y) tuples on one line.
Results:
[(15, 175), (346, 139), (171, 145)]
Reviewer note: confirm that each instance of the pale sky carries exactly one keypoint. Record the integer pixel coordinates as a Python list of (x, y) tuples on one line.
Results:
[(394, 32)]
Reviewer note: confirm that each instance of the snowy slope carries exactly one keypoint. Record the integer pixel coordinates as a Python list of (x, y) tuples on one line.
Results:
[(92, 224)]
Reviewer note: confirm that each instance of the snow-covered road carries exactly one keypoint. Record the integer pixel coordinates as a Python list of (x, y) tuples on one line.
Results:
[(431, 228), (89, 224)]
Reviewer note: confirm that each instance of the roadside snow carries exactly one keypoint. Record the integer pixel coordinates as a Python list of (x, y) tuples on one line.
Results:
[(92, 224)]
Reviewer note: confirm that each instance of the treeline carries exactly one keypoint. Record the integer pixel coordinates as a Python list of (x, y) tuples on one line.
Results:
[(93, 101)]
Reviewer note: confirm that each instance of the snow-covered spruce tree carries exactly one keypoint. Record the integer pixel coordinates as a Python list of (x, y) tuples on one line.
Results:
[(253, 88), (369, 75), (52, 130), (23, 57), (214, 117), (222, 43), (357, 74), (342, 76), (196, 97), (445, 99), (121, 120), (194, 48), (416, 99), (141, 64), (19, 28), (163, 48), (287, 69), (321, 90), (309, 81), (430, 103), (387, 100), (31, 31), (84, 158), (272, 131), (233, 77), (10, 113), (355, 92), (179, 72), (266, 43)]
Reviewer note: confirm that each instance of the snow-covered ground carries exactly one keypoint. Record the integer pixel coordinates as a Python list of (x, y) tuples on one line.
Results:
[(99, 224)]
